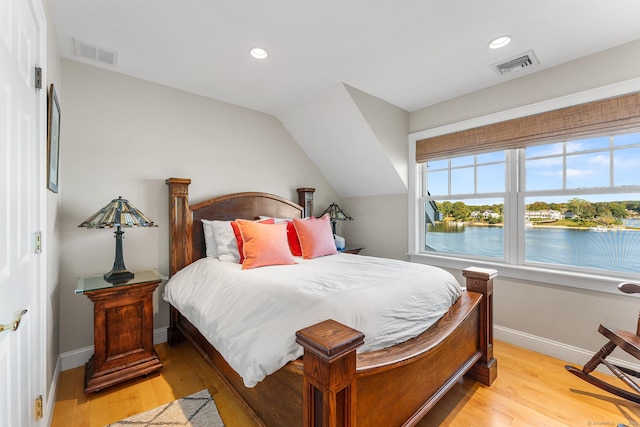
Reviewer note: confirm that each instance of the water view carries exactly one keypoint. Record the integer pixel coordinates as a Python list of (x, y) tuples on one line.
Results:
[(616, 249)]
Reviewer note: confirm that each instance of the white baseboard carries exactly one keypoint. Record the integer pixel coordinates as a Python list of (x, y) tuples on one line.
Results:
[(160, 335), (74, 358), (573, 355), (51, 396)]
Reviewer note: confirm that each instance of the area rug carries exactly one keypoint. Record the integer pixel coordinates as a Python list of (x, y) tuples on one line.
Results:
[(197, 410)]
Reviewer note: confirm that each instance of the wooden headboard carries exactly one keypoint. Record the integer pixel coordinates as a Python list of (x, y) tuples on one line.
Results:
[(186, 237)]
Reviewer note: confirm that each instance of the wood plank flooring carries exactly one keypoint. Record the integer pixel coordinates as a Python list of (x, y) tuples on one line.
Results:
[(531, 390)]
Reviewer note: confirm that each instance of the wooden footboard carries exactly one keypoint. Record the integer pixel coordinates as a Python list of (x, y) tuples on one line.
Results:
[(396, 386), (332, 385)]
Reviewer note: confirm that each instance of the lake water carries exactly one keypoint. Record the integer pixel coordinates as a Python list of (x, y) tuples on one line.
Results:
[(610, 250)]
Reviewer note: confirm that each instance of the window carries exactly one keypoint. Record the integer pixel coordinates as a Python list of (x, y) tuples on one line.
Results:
[(464, 203), (572, 205)]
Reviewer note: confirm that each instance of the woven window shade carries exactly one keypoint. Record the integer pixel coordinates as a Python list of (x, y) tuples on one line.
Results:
[(611, 115)]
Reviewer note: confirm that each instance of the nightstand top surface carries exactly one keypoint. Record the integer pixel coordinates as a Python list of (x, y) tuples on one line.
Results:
[(351, 249), (86, 284)]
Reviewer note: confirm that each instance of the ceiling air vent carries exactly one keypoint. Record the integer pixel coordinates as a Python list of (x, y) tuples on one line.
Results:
[(517, 63), (95, 53)]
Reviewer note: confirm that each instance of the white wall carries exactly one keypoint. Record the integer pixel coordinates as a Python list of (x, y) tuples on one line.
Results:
[(380, 221), (390, 125), (601, 69), (123, 136), (335, 130), (51, 238), (379, 224), (556, 320)]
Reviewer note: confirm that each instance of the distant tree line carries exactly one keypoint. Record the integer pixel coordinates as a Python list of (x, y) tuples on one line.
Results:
[(604, 212), (459, 211)]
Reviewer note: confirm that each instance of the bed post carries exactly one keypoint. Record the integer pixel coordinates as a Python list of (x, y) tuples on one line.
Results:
[(481, 280), (329, 390), (179, 224), (305, 199), (179, 241)]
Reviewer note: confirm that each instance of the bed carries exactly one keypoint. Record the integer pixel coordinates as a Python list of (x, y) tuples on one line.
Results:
[(333, 384)]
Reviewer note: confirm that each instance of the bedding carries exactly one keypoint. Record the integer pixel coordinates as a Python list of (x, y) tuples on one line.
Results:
[(225, 240), (316, 237), (236, 232), (250, 316), (209, 240), (263, 244), (292, 234)]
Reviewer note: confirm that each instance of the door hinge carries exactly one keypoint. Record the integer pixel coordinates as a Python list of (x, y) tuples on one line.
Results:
[(39, 407), (38, 76), (38, 242)]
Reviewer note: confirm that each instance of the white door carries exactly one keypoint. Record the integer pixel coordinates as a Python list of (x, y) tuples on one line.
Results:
[(21, 190)]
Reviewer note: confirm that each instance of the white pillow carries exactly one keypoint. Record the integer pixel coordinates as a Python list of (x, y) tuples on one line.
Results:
[(276, 220), (226, 242), (209, 241)]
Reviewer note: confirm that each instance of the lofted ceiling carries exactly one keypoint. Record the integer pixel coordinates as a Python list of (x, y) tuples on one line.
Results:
[(408, 53)]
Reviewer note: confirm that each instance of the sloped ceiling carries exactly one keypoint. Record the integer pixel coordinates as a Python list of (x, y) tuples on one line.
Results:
[(335, 134)]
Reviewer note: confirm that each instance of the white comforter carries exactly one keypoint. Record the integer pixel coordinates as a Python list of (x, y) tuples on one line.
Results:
[(251, 316)]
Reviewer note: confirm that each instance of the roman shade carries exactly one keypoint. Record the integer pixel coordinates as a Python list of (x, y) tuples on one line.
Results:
[(611, 115)]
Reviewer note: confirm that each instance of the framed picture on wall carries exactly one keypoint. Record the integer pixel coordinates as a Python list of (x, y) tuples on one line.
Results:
[(53, 140)]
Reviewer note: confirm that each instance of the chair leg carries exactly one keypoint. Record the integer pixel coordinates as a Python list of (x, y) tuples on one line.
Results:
[(622, 376), (597, 358), (631, 372), (633, 397), (618, 371)]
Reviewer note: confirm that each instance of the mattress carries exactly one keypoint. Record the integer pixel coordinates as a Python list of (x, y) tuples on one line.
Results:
[(251, 316)]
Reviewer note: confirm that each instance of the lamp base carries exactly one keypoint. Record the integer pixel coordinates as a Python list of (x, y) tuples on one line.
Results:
[(120, 276), (119, 273)]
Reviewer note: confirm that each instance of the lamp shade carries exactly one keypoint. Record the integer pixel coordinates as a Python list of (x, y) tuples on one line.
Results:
[(336, 214), (118, 213)]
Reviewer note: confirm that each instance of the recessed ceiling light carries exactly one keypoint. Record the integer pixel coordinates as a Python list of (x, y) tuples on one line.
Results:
[(258, 53), (499, 42)]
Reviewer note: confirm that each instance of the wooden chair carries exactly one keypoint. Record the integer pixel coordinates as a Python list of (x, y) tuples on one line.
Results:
[(627, 341)]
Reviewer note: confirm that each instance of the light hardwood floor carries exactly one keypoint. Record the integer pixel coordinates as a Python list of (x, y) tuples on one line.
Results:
[(531, 390)]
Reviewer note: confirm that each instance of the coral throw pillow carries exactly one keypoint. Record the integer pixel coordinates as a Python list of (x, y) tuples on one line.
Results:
[(236, 232), (316, 237), (264, 244)]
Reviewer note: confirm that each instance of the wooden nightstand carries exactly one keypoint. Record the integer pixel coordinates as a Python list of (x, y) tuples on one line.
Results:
[(122, 330), (354, 250)]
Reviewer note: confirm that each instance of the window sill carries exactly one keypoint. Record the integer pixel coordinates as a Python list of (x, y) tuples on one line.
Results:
[(573, 279)]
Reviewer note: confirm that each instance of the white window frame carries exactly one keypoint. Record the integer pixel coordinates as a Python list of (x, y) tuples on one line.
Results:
[(504, 195), (596, 282)]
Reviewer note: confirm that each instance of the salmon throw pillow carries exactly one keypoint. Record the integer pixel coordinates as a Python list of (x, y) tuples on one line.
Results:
[(292, 235), (239, 242), (264, 244), (316, 237)]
